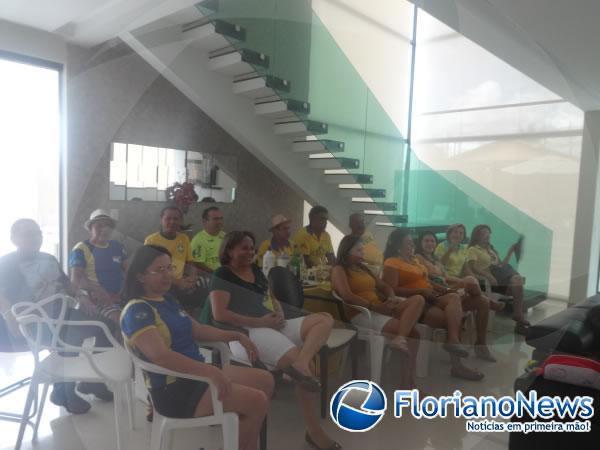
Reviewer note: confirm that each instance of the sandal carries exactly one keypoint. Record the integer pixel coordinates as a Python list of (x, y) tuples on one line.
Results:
[(456, 349), (306, 382), (483, 352), (313, 444), (521, 328), (466, 374)]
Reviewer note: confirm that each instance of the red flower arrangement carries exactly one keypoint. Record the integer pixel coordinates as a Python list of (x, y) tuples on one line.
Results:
[(183, 195)]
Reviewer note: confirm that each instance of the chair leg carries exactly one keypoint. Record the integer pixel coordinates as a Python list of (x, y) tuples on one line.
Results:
[(38, 419), (263, 436), (130, 403), (118, 390), (231, 432), (354, 351), (33, 391), (156, 433), (324, 369), (377, 345)]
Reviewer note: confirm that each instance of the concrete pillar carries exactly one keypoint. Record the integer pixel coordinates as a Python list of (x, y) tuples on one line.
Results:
[(586, 244)]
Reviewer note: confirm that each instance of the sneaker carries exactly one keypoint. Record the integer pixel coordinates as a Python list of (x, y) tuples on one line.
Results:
[(63, 394), (99, 390)]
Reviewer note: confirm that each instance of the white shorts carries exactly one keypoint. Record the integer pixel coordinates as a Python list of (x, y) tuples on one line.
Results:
[(378, 321), (271, 344)]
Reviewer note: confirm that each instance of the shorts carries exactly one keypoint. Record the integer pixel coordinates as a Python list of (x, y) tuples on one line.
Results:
[(503, 275), (271, 344), (378, 321), (178, 399)]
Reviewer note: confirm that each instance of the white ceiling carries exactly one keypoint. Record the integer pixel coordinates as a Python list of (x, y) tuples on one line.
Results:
[(555, 42), (89, 22)]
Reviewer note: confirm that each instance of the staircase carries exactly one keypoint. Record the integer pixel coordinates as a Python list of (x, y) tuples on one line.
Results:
[(203, 53)]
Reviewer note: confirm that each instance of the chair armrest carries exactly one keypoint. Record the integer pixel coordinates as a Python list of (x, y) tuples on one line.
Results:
[(338, 304), (153, 368)]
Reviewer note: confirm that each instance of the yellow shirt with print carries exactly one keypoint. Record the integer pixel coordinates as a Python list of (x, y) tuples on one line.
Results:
[(482, 258), (312, 246), (264, 247), (372, 253), (179, 247), (456, 259)]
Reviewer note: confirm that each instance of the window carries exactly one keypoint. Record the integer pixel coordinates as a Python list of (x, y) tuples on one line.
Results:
[(30, 149)]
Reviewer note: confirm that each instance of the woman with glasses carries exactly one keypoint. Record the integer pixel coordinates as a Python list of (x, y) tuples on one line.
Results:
[(156, 327)]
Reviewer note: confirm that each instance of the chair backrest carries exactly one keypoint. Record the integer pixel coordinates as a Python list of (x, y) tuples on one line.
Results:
[(147, 366), (286, 287), (43, 330)]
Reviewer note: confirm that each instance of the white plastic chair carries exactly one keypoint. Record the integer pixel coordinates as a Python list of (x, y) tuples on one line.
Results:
[(377, 342), (110, 365), (163, 427)]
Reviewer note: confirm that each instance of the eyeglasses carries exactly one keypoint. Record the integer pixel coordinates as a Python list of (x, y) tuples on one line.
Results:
[(162, 270)]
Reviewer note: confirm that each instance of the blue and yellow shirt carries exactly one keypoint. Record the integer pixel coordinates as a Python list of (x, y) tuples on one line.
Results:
[(103, 265), (172, 323)]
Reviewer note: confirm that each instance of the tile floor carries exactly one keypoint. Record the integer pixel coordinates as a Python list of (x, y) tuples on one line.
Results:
[(95, 430)]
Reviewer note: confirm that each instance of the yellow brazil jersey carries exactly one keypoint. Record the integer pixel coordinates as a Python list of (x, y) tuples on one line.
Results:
[(456, 259), (372, 253), (179, 247), (312, 246), (482, 258), (268, 244)]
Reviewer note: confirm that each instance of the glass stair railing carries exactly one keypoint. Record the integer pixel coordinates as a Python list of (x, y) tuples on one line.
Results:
[(306, 85), (282, 56)]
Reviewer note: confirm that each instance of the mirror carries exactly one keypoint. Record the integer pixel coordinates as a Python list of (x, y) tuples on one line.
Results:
[(144, 173)]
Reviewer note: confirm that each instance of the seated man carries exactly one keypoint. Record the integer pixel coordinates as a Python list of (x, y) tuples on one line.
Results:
[(178, 245), (313, 241), (206, 243), (280, 243), (98, 264), (31, 275), (372, 253)]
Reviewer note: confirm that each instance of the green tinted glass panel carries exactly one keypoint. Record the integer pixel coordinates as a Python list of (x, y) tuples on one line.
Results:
[(447, 197)]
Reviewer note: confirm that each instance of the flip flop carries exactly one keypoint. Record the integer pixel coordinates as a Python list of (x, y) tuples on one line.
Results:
[(456, 349), (466, 374), (313, 444), (306, 382)]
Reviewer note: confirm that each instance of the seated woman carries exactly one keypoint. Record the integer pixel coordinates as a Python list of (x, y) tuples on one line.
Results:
[(467, 287), (393, 317), (483, 262), (155, 326), (443, 305), (240, 297)]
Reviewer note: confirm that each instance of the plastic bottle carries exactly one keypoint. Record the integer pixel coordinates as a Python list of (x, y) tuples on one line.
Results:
[(296, 263), (268, 262)]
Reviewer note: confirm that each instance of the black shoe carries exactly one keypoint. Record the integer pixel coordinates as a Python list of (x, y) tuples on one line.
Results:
[(98, 389), (63, 394)]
